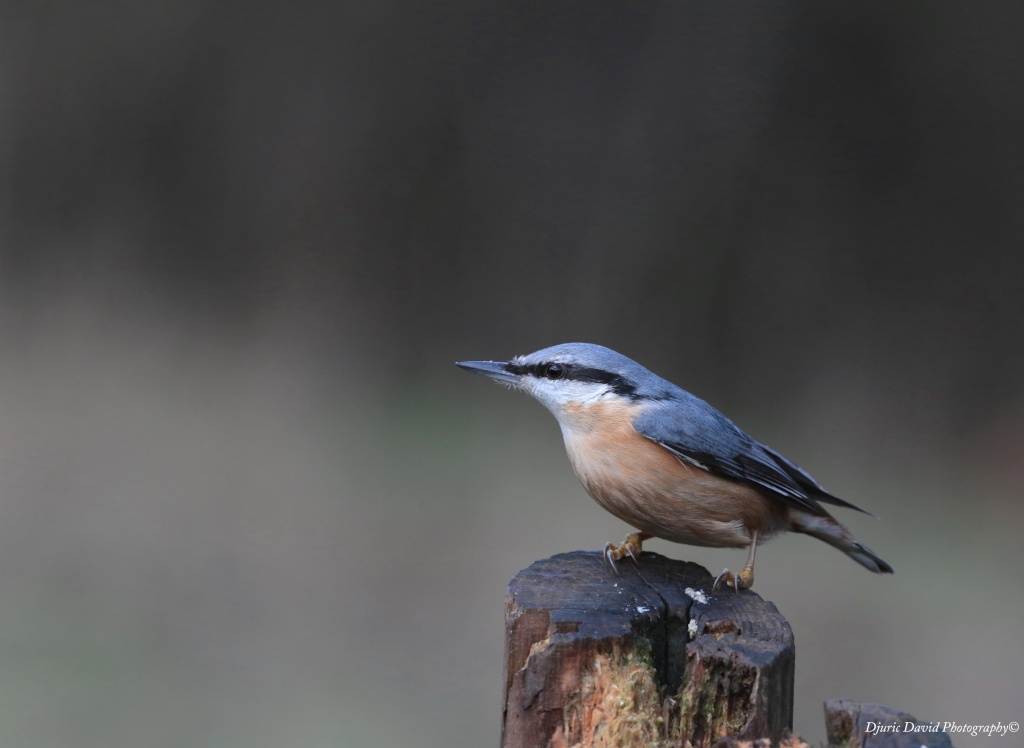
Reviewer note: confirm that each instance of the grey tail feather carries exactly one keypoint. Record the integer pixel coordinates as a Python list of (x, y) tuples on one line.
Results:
[(833, 533), (868, 559)]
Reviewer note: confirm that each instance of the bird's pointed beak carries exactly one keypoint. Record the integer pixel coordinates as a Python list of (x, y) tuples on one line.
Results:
[(493, 369)]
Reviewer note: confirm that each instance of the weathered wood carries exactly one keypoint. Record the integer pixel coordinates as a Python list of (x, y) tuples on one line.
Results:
[(853, 725), (648, 657)]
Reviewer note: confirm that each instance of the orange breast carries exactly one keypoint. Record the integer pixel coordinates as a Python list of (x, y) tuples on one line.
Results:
[(645, 485)]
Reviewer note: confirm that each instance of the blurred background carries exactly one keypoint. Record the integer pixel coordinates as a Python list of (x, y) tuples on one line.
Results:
[(246, 499)]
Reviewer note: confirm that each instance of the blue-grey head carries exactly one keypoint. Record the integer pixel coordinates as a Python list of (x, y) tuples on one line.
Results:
[(574, 374)]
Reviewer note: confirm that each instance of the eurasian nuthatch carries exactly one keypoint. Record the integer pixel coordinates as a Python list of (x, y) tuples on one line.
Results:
[(667, 463)]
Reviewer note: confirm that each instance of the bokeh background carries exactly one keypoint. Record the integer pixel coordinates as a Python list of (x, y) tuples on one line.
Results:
[(246, 499)]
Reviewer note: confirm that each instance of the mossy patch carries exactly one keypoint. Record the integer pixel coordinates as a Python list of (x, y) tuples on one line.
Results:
[(619, 704)]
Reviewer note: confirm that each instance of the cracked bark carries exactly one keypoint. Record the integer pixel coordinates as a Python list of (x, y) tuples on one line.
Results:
[(594, 658)]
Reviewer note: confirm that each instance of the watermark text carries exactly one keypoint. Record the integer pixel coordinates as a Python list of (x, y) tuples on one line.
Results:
[(997, 729)]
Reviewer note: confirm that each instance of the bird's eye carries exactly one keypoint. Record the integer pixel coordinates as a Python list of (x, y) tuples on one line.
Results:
[(554, 371)]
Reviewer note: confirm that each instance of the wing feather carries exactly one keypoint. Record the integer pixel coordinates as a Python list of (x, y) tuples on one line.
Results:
[(696, 432)]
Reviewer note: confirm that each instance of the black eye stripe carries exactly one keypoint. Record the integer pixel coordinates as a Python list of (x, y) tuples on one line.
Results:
[(618, 384), (570, 372)]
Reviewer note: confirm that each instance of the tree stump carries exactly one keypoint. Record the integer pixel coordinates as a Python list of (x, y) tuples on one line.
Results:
[(853, 725), (650, 656)]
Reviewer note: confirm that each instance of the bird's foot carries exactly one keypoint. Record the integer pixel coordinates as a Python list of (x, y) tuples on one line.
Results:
[(742, 581), (632, 546)]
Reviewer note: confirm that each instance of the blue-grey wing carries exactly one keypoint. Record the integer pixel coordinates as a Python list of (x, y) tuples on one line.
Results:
[(807, 481), (699, 434)]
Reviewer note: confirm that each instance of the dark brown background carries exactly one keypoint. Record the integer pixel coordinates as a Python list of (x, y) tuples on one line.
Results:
[(245, 498)]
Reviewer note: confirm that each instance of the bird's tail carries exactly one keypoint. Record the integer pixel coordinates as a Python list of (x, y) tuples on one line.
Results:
[(833, 533)]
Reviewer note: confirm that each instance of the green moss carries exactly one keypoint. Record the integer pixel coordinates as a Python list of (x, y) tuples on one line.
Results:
[(621, 696)]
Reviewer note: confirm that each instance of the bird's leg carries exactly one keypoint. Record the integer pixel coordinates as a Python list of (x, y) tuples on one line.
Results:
[(745, 579), (632, 546)]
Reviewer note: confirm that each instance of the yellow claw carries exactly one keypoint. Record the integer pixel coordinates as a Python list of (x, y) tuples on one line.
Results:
[(745, 579), (742, 581), (632, 546)]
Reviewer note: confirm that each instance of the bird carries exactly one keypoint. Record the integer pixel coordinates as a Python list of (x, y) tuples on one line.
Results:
[(669, 464)]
